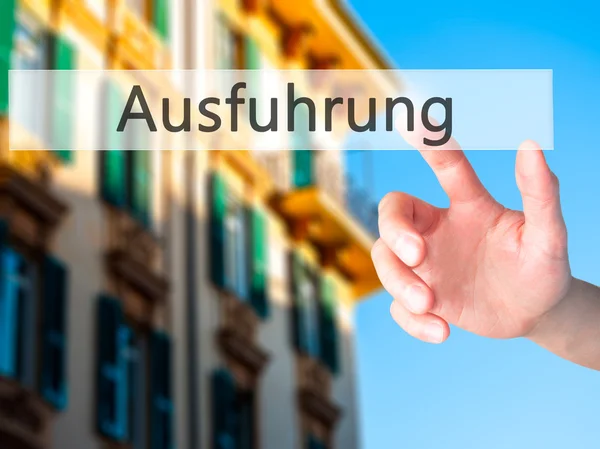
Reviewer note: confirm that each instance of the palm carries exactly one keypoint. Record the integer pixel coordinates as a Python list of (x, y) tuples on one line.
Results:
[(477, 265), (485, 279)]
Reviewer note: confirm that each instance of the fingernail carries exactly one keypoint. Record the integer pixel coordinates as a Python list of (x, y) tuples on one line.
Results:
[(434, 333), (408, 249), (416, 298)]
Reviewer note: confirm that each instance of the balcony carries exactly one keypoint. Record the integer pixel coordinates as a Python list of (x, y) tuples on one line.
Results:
[(137, 42), (314, 202)]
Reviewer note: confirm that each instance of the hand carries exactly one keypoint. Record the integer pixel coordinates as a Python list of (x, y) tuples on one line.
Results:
[(477, 265)]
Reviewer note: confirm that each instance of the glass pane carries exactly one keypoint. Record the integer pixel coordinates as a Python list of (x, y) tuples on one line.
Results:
[(29, 54), (309, 308)]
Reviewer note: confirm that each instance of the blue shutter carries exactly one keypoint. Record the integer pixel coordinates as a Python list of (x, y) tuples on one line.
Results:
[(9, 293), (161, 421), (217, 229), (223, 410), (53, 383), (315, 443), (112, 393)]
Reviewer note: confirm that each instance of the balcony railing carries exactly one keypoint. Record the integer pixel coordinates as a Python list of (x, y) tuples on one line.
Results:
[(300, 169), (362, 207)]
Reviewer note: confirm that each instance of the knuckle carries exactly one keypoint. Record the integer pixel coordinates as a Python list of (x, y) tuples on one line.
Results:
[(554, 181), (391, 199), (557, 246), (385, 202), (397, 315), (448, 160), (377, 249), (390, 209)]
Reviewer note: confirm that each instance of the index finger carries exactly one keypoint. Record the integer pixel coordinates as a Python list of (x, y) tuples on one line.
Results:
[(448, 162)]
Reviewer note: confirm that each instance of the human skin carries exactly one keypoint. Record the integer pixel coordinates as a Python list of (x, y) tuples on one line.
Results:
[(487, 269)]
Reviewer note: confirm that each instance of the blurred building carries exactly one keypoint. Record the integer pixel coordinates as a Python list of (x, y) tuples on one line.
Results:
[(172, 299)]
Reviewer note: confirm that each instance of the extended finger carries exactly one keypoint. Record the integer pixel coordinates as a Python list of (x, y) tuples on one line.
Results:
[(448, 162)]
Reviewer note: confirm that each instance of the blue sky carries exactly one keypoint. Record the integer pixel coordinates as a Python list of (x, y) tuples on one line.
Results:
[(473, 392)]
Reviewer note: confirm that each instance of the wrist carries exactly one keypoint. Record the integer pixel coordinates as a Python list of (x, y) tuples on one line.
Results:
[(570, 328), (546, 323)]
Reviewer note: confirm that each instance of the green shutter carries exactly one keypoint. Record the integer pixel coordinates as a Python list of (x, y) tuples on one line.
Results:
[(217, 229), (259, 264), (140, 184), (297, 277), (161, 406), (252, 60), (303, 175), (223, 410), (328, 325), (161, 17), (63, 55), (303, 168), (113, 162), (252, 54), (7, 29), (112, 394), (8, 306), (113, 168), (53, 383)]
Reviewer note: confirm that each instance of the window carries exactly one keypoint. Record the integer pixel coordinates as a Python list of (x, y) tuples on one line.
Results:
[(136, 356), (38, 49), (125, 176), (32, 292), (313, 442), (30, 53), (305, 312), (313, 312), (244, 405), (328, 327), (236, 263), (226, 46), (234, 418), (309, 308), (134, 393), (238, 246), (228, 54)]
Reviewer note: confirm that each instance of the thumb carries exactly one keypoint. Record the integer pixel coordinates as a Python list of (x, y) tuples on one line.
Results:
[(544, 223)]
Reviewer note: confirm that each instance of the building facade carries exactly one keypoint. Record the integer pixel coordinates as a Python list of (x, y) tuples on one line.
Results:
[(175, 299)]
